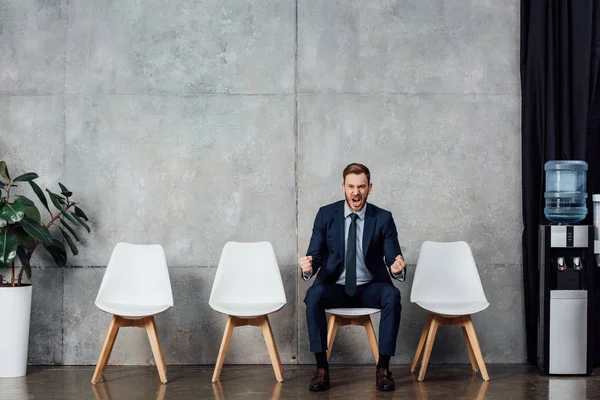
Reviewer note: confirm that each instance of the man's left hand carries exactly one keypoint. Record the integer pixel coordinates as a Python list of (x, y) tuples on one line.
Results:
[(398, 265)]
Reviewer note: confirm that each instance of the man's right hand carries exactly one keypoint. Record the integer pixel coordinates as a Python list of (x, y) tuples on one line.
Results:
[(306, 265)]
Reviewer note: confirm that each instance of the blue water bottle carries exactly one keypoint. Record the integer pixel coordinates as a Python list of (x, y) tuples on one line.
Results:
[(566, 191)]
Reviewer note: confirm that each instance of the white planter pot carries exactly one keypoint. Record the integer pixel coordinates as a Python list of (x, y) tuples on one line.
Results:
[(15, 303)]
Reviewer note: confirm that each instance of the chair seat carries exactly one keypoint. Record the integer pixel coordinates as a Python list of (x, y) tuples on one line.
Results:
[(247, 309), (447, 308), (352, 312), (132, 311)]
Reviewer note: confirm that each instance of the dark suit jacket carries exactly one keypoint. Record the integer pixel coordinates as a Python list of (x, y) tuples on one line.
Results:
[(327, 243)]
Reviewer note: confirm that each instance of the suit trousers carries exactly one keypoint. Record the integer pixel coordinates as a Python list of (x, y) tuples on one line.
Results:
[(382, 295)]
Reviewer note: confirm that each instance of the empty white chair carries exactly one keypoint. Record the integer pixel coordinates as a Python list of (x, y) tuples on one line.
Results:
[(352, 316), (447, 285), (135, 288), (247, 288)]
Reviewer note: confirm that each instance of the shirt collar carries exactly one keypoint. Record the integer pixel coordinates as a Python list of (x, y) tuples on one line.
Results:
[(348, 211)]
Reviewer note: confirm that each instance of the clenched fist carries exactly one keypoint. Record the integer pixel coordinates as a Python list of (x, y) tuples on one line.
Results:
[(398, 265), (305, 264)]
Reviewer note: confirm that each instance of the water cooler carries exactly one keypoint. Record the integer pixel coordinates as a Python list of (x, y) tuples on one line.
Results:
[(565, 321), (567, 271)]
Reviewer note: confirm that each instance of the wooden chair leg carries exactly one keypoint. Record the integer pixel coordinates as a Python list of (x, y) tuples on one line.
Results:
[(470, 350), (334, 323), (229, 325), (428, 346), (156, 348), (468, 324), (368, 324), (106, 349), (421, 344), (272, 348)]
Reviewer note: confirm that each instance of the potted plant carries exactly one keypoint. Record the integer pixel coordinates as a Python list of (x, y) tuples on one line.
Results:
[(21, 232)]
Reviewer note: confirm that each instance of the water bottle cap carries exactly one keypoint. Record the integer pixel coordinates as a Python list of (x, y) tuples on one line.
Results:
[(596, 197)]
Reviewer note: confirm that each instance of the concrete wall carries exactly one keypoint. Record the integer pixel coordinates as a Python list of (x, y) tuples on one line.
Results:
[(193, 123)]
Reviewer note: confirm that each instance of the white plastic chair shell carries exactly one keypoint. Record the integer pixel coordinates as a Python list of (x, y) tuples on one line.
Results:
[(352, 312), (248, 282), (136, 283), (446, 280)]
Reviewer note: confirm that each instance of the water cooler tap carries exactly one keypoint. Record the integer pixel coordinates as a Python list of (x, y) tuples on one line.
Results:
[(577, 264), (560, 262)]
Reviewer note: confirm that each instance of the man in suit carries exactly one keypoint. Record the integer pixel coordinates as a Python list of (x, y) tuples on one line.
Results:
[(354, 248)]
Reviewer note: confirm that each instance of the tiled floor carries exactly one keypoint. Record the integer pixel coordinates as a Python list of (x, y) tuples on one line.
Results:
[(508, 381)]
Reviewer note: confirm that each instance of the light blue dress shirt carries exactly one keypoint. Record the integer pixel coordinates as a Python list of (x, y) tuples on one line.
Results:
[(362, 273)]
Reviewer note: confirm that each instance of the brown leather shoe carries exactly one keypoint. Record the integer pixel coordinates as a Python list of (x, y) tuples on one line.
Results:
[(384, 380), (320, 380)]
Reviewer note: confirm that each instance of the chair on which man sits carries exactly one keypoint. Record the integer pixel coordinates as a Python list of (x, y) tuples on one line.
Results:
[(352, 316), (247, 288), (448, 287), (135, 288)]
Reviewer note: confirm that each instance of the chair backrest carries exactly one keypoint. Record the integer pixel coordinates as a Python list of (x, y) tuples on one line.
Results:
[(248, 272), (446, 272), (137, 274)]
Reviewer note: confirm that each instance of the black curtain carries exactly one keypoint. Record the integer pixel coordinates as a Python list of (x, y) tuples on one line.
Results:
[(560, 112)]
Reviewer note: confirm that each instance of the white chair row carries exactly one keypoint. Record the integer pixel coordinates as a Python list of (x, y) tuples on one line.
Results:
[(136, 287), (248, 287)]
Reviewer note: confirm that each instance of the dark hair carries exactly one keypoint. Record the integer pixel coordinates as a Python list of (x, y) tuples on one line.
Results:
[(356, 168)]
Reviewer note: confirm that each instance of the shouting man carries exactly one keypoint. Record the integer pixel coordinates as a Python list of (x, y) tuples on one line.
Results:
[(354, 248)]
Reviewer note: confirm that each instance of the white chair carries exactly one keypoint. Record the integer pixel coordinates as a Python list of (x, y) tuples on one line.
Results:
[(135, 288), (247, 288), (352, 316), (447, 285)]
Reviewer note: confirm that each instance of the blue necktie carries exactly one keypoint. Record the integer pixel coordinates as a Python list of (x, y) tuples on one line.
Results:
[(351, 258)]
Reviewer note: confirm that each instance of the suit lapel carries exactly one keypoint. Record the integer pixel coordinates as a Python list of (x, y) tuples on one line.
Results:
[(369, 227), (339, 225)]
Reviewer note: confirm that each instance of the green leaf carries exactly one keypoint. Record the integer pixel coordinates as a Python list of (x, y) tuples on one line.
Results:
[(28, 176), (33, 213), (65, 192), (58, 252), (23, 237), (40, 195), (37, 231), (69, 241), (4, 170), (60, 199), (8, 248), (26, 202), (70, 217), (24, 255), (2, 184), (55, 200), (71, 230), (79, 212), (12, 212), (87, 228)]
